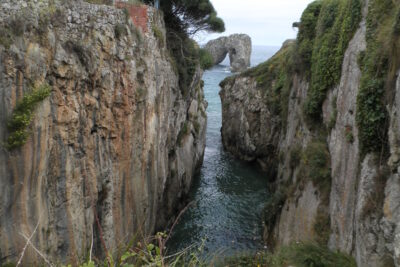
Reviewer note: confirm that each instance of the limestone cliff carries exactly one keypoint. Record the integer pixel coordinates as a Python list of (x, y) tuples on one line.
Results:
[(113, 149), (238, 46), (301, 117)]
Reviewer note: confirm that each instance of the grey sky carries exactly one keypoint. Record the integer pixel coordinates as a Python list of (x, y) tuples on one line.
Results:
[(268, 22)]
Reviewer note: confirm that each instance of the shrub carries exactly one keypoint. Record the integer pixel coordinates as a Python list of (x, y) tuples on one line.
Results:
[(120, 31), (315, 166), (299, 255), (159, 35), (206, 59), (185, 57), (8, 33), (379, 64), (322, 226), (151, 252), (321, 45), (308, 254), (23, 115), (306, 36)]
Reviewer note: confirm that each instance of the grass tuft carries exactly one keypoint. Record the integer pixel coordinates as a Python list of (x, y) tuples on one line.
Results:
[(23, 115)]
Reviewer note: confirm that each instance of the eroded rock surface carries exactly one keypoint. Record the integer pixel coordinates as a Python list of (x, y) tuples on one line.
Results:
[(362, 205), (112, 151), (238, 46)]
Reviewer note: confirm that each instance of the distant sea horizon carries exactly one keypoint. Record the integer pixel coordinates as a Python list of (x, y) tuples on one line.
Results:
[(259, 54)]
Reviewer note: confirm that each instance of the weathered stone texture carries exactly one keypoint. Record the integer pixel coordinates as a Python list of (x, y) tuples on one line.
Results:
[(238, 46), (364, 200), (105, 156)]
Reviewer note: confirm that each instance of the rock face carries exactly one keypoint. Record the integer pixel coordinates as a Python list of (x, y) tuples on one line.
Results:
[(112, 151), (253, 131), (237, 45)]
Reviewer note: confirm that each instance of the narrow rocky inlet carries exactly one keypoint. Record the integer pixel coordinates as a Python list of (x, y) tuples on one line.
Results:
[(114, 114), (228, 195)]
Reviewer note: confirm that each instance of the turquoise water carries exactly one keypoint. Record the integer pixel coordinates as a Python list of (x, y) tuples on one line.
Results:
[(228, 195)]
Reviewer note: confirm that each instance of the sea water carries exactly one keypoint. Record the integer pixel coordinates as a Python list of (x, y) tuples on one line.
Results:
[(228, 195)]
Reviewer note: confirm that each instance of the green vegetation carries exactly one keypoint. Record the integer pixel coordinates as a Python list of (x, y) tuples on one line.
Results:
[(120, 31), (8, 33), (100, 2), (306, 255), (322, 226), (183, 132), (348, 131), (206, 59), (325, 30), (379, 64), (315, 166), (152, 253), (191, 16), (273, 78), (110, 2), (299, 255), (332, 120), (185, 58), (149, 252), (306, 36), (23, 115), (295, 156), (184, 18), (196, 126), (158, 34), (273, 207)]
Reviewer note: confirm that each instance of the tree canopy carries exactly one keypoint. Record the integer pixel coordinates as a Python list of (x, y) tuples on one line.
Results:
[(191, 16)]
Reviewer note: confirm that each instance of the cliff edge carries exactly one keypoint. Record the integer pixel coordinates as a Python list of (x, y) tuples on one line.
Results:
[(322, 114), (114, 142)]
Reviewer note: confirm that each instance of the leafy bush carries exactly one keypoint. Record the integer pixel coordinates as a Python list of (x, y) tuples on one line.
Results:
[(151, 252), (23, 115), (307, 255), (315, 166), (325, 31), (379, 64), (158, 34), (299, 255), (185, 58), (206, 59), (306, 35)]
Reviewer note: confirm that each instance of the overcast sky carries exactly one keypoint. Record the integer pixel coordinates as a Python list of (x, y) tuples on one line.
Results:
[(268, 22)]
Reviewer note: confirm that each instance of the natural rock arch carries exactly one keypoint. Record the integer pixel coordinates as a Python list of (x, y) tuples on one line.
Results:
[(238, 46)]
